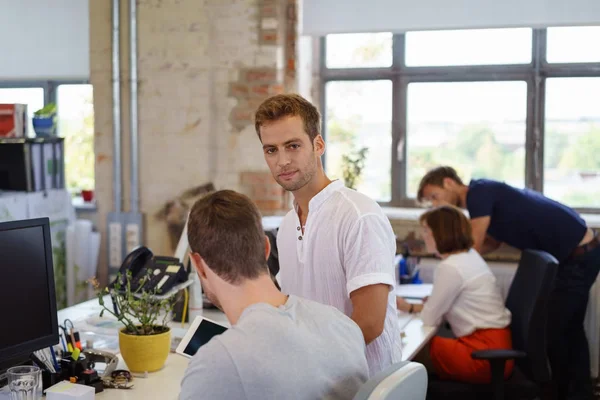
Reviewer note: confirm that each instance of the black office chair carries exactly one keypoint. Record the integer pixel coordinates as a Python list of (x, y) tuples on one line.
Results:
[(528, 302), (273, 260)]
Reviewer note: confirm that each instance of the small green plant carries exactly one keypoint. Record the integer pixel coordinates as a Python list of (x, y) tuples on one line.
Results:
[(352, 166), (48, 111), (138, 310)]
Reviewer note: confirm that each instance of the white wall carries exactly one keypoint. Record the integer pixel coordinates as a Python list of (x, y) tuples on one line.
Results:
[(44, 39), (321, 17)]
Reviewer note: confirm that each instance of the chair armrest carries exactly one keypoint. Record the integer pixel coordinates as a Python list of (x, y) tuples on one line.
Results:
[(498, 354)]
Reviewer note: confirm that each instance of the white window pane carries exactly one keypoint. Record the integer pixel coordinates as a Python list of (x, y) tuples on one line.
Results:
[(572, 141), (359, 50), (476, 127), (573, 44), (76, 125), (33, 97), (468, 47), (359, 115)]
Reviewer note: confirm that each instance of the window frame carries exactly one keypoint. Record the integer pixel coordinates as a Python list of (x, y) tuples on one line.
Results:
[(49, 86), (534, 74)]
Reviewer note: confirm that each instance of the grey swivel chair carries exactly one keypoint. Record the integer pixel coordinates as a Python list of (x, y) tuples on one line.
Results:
[(405, 380)]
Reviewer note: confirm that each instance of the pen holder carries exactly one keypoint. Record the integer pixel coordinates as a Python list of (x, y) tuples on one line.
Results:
[(50, 379), (70, 367)]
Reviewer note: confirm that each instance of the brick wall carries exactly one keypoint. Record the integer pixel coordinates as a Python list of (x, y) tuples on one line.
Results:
[(203, 69)]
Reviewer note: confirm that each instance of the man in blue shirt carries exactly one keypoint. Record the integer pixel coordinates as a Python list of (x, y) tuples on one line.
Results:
[(526, 219)]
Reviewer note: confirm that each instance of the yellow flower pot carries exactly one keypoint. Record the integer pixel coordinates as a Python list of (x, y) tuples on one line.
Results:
[(145, 352)]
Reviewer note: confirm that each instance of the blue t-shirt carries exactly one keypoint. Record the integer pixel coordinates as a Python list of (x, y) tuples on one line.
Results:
[(525, 219)]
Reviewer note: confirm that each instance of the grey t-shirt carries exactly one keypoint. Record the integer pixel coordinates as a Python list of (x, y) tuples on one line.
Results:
[(301, 350)]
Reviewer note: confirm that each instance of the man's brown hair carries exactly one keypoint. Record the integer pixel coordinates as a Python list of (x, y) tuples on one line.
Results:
[(436, 177), (225, 228), (450, 228), (289, 105)]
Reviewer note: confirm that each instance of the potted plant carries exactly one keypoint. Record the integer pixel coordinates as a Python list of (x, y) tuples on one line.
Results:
[(352, 166), (145, 339), (44, 121)]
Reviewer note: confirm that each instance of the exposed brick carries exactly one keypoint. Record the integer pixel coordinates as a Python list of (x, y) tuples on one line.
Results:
[(237, 89), (265, 90), (272, 191), (267, 75), (254, 102), (257, 178), (268, 11), (269, 205), (260, 90), (269, 37), (242, 113), (210, 79)]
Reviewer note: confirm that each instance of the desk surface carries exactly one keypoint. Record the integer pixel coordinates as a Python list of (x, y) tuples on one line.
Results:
[(164, 384)]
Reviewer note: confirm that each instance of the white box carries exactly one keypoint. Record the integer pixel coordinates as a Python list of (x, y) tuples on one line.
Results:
[(69, 391)]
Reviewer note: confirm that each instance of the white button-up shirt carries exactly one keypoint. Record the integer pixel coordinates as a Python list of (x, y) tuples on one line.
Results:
[(465, 293), (348, 243)]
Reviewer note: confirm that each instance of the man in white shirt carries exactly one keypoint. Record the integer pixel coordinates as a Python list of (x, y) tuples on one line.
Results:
[(278, 347), (336, 246)]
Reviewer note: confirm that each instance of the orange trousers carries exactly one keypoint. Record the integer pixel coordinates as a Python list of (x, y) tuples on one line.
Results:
[(451, 358)]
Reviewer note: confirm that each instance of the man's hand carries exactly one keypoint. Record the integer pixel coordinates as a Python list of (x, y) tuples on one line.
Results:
[(370, 306), (482, 242), (489, 244)]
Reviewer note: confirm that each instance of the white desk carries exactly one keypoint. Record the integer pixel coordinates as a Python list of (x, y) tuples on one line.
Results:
[(165, 384), (414, 291), (415, 336)]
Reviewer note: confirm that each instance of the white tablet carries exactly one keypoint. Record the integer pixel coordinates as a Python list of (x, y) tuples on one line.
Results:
[(200, 332)]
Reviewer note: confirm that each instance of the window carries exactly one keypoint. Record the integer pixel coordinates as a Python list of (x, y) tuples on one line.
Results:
[(75, 122), (573, 44), (359, 116), (32, 96), (468, 47), (572, 141), (518, 105), (477, 127), (359, 50), (76, 125)]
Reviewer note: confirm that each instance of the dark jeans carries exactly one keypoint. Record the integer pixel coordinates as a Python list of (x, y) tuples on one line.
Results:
[(567, 344)]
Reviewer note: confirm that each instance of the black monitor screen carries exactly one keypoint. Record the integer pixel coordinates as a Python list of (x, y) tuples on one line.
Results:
[(28, 303)]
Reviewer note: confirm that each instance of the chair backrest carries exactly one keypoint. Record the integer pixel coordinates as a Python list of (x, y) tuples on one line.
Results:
[(404, 380), (528, 302), (273, 260)]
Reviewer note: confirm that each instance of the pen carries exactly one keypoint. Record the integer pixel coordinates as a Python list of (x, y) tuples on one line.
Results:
[(62, 340), (56, 367)]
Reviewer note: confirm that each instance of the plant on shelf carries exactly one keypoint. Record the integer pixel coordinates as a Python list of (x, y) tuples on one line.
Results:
[(352, 166), (44, 121), (145, 339)]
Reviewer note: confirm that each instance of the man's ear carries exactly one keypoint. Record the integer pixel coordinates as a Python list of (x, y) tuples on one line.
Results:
[(448, 183), (267, 247), (319, 145), (199, 264)]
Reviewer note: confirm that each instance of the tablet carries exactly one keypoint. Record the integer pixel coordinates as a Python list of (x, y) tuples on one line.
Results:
[(200, 332)]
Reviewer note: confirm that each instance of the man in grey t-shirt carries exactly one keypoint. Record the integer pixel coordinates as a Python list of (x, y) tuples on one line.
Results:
[(278, 347)]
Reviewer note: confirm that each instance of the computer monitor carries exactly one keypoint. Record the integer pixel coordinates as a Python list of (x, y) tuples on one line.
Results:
[(27, 295)]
